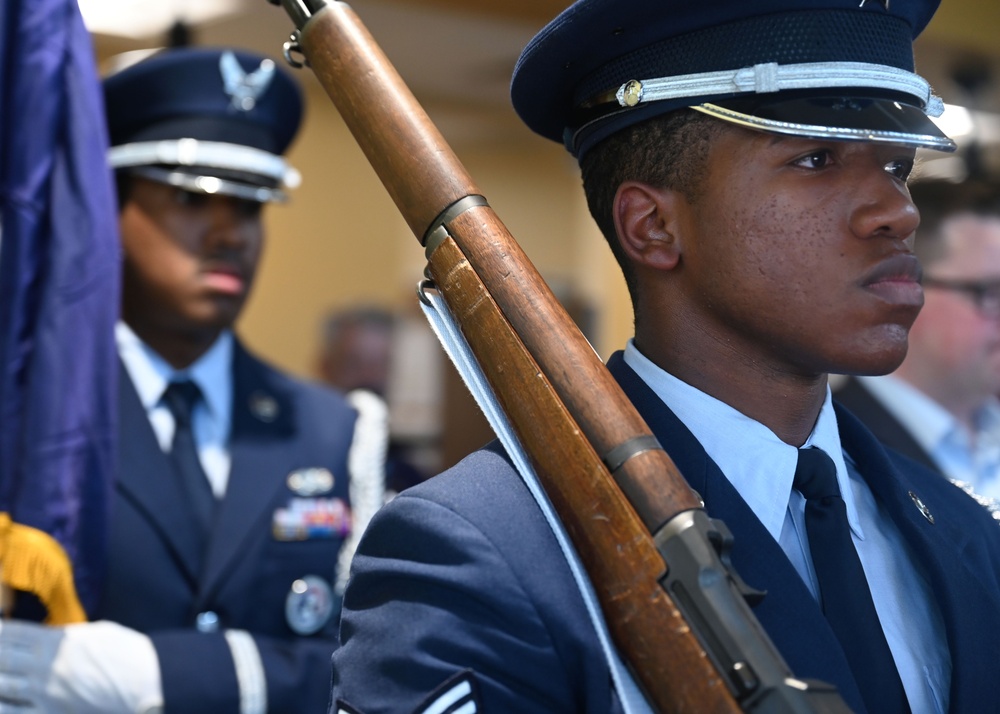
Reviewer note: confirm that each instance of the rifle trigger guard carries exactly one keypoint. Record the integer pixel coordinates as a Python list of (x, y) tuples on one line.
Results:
[(294, 46)]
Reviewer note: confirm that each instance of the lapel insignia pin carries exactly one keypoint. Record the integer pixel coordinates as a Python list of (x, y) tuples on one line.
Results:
[(264, 407), (922, 507)]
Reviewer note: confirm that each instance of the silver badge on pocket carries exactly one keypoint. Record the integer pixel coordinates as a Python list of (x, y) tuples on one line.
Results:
[(309, 605)]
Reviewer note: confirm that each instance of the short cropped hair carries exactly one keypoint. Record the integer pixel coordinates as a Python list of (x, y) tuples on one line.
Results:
[(669, 151)]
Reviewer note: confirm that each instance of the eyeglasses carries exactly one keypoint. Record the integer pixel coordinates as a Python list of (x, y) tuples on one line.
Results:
[(985, 294)]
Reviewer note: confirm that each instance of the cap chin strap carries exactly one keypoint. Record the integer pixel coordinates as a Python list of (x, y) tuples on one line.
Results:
[(878, 136), (774, 77), (211, 185), (214, 154)]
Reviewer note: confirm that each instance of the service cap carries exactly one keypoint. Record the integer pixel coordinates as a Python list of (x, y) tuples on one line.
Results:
[(834, 69), (212, 120)]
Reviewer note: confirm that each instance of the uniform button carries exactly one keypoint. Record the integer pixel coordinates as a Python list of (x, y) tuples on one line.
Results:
[(207, 622)]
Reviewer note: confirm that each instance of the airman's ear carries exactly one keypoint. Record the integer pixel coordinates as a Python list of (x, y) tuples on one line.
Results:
[(646, 221)]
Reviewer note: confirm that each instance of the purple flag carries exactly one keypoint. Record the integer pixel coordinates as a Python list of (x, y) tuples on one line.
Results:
[(59, 285)]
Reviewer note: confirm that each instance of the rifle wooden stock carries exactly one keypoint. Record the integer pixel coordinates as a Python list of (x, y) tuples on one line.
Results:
[(424, 177), (569, 414), (617, 551)]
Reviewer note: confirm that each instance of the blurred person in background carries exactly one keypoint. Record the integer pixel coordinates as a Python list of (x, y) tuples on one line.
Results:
[(357, 351), (242, 490), (940, 406)]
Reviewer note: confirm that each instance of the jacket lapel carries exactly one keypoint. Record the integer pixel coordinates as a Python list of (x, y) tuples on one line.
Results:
[(947, 556), (788, 612), (262, 419), (146, 480), (946, 553)]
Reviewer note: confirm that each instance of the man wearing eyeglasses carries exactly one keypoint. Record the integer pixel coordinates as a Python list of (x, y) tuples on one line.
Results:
[(940, 406)]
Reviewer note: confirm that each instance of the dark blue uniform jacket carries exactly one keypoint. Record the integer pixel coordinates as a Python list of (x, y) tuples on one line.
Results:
[(152, 584), (462, 573)]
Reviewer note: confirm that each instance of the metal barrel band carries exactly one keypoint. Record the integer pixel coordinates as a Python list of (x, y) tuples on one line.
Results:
[(437, 230), (617, 457)]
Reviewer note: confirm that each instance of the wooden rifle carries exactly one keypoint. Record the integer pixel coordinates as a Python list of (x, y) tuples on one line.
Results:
[(675, 608)]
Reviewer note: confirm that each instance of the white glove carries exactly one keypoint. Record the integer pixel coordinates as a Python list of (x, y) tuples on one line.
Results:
[(90, 668)]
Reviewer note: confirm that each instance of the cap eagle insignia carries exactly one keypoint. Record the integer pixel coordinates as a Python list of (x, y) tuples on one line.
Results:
[(244, 88)]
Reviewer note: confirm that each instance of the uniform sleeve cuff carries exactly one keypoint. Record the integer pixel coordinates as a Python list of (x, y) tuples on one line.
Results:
[(249, 672)]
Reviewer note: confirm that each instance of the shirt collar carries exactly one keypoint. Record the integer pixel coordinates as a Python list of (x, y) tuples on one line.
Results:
[(151, 373), (988, 419), (757, 463), (927, 421)]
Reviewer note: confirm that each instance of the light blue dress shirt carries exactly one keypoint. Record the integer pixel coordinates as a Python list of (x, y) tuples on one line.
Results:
[(973, 458), (761, 467), (212, 418)]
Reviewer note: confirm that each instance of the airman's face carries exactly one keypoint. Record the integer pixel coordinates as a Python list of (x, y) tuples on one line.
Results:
[(190, 259), (799, 253)]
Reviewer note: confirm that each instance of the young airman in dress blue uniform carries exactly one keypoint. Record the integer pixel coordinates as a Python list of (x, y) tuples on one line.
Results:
[(747, 161), (235, 514)]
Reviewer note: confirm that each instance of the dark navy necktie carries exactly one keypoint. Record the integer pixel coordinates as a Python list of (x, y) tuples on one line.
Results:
[(180, 398), (844, 592)]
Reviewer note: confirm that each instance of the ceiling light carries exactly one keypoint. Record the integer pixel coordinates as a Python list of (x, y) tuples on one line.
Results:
[(141, 18)]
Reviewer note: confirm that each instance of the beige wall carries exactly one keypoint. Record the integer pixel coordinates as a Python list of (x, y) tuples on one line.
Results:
[(337, 241), (341, 241)]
